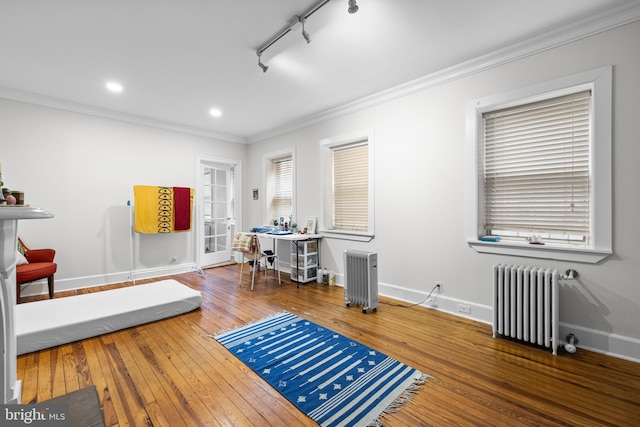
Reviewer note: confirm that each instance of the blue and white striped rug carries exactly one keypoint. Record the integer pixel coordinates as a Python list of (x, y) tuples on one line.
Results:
[(334, 380)]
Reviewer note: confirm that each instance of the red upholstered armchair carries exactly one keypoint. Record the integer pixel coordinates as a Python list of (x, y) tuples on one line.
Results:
[(40, 265)]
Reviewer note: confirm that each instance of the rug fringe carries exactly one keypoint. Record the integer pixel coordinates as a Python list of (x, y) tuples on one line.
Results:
[(405, 397)]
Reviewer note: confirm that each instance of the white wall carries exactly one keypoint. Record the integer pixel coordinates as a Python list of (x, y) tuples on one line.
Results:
[(420, 188), (83, 168)]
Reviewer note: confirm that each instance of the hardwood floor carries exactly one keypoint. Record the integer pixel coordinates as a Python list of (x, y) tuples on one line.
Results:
[(171, 373)]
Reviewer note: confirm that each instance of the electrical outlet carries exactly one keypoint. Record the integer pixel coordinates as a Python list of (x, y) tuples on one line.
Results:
[(464, 308), (439, 287)]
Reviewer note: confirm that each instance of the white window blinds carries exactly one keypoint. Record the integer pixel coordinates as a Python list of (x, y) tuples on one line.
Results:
[(536, 169), (281, 204), (351, 187)]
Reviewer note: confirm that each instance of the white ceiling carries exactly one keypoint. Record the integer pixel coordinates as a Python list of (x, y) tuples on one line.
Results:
[(178, 59)]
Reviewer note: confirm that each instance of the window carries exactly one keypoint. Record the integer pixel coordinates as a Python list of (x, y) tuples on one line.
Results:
[(283, 188), (279, 178), (542, 172), (348, 186), (536, 170)]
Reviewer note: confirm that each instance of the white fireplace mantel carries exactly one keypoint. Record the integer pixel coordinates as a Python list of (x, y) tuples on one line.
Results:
[(9, 216)]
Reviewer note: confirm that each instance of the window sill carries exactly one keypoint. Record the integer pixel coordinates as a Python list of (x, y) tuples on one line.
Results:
[(346, 235), (555, 252)]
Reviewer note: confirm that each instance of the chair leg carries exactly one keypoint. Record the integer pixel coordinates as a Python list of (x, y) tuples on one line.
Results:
[(253, 274), (241, 268), (50, 283), (275, 267), (17, 293)]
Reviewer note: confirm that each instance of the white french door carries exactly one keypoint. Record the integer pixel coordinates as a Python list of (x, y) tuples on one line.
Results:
[(217, 212)]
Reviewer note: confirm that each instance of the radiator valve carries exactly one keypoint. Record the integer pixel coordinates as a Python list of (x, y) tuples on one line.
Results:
[(570, 345)]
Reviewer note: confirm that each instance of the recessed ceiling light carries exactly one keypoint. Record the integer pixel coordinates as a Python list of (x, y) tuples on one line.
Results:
[(114, 87), (215, 112)]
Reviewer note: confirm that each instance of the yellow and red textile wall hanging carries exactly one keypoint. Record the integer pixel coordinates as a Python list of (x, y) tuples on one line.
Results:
[(162, 209)]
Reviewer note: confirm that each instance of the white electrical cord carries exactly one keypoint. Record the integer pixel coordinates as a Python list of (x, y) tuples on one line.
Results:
[(426, 301)]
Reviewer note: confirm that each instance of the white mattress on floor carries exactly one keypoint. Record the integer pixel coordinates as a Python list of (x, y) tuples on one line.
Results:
[(48, 323)]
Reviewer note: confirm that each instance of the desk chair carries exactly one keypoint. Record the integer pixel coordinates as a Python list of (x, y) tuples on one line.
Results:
[(249, 245)]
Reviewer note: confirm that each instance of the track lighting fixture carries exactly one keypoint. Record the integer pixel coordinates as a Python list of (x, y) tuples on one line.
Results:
[(304, 33), (293, 24), (353, 7), (260, 64)]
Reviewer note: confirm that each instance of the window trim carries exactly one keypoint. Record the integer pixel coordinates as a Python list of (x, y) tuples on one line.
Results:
[(599, 81), (326, 145), (267, 161)]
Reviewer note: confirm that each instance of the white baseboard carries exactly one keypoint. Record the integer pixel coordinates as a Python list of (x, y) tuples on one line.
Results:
[(40, 287), (588, 339), (478, 312), (603, 342)]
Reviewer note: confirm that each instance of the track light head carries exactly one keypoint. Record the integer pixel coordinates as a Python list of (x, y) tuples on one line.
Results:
[(260, 64), (306, 36), (353, 7), (304, 32)]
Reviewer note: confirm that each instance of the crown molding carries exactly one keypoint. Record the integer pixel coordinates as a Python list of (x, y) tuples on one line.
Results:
[(613, 18), (76, 107)]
